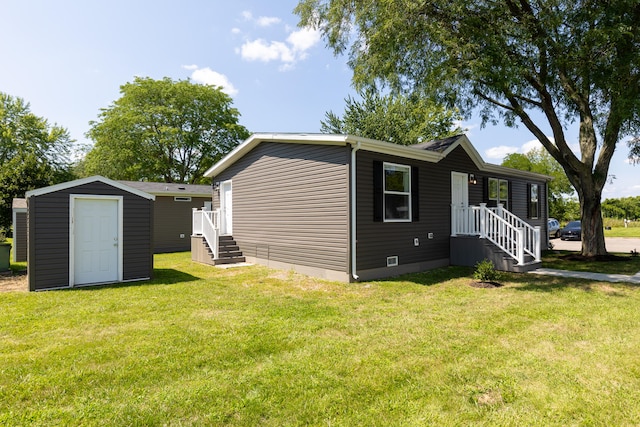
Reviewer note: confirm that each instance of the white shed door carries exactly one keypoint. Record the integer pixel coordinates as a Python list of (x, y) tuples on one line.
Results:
[(95, 234)]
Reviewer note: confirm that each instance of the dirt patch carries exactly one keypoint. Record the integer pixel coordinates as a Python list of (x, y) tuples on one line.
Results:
[(490, 398), (485, 285), (16, 282)]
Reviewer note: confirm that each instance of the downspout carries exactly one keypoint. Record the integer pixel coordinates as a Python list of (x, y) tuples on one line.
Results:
[(352, 213)]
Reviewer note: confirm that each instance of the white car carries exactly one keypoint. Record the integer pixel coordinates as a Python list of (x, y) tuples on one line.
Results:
[(553, 228)]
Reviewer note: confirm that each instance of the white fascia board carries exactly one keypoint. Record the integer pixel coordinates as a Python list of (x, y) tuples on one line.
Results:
[(82, 181)]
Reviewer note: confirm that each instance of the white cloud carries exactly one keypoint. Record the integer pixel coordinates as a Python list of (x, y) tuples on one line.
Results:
[(247, 15), (235, 31), (530, 146), (266, 21), (190, 67), (209, 77), (293, 49), (500, 152), (261, 50)]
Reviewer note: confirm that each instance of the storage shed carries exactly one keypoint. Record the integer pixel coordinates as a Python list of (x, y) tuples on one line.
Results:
[(88, 231), (19, 210)]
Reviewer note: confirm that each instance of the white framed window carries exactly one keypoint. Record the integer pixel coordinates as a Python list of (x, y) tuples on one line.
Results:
[(397, 192), (182, 199), (499, 191), (534, 201)]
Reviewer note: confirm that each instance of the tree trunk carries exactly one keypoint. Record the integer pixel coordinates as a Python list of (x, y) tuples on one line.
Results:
[(592, 226)]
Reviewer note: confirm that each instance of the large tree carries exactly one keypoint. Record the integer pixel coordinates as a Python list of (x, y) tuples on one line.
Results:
[(399, 119), (163, 130), (33, 153), (546, 64), (540, 161)]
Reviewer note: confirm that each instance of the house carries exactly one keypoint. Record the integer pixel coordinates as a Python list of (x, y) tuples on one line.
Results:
[(172, 212), (349, 208), (86, 232)]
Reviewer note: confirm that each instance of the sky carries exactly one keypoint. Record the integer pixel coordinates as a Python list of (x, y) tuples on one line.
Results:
[(68, 59)]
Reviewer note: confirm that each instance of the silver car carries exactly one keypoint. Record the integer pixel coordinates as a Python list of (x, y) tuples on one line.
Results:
[(553, 228)]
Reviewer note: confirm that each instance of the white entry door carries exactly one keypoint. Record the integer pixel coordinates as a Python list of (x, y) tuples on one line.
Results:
[(226, 208), (95, 233), (459, 189)]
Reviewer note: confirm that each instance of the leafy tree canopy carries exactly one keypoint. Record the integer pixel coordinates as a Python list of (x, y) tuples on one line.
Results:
[(33, 154), (163, 130), (567, 61), (394, 118), (540, 161)]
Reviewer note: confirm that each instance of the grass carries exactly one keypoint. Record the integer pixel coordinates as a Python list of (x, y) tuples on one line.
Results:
[(627, 264), (622, 232), (253, 346)]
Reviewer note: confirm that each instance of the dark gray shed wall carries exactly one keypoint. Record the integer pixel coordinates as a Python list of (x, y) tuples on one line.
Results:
[(48, 235), (20, 237), (291, 204), (172, 219)]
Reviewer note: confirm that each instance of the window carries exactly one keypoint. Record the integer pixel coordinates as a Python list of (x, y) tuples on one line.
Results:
[(499, 191), (397, 192), (534, 201), (181, 199)]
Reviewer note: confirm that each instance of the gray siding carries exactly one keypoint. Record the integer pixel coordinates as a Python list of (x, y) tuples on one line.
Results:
[(48, 247), (171, 219), (20, 237), (378, 240), (291, 204)]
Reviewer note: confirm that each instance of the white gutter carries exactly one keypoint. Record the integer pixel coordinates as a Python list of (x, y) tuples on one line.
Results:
[(353, 211)]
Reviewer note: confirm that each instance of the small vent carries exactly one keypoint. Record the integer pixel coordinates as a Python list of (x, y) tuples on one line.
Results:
[(392, 261), (181, 199)]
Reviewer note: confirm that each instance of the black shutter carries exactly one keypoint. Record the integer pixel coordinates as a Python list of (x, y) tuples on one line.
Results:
[(415, 195), (485, 189), (378, 192), (530, 212), (510, 196)]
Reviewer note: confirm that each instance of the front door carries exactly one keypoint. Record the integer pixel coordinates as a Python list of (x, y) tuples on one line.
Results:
[(459, 189), (95, 234), (226, 208)]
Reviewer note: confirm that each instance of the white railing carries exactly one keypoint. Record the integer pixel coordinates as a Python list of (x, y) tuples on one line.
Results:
[(207, 225), (505, 230)]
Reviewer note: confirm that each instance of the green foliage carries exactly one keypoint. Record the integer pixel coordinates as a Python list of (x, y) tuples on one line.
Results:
[(393, 118), (33, 154), (163, 130), (540, 161), (486, 272), (622, 208), (545, 65)]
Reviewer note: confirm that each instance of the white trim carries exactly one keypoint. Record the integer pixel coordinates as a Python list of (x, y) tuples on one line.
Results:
[(403, 193), (72, 199), (352, 211), (372, 145), (225, 229), (83, 181)]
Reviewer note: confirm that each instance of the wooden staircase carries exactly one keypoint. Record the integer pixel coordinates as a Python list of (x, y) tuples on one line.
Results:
[(228, 251)]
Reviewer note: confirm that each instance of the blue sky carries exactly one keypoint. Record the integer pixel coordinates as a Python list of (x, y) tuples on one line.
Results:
[(69, 58)]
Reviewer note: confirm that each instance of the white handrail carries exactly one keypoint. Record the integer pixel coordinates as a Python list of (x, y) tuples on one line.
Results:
[(505, 230), (207, 224)]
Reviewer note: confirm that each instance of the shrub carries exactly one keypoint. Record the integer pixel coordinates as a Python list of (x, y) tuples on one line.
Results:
[(486, 272)]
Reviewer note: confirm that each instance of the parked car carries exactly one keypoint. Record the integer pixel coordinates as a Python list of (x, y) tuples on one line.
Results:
[(571, 231), (553, 228)]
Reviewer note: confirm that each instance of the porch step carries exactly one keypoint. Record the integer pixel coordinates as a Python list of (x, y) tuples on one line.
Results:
[(228, 251)]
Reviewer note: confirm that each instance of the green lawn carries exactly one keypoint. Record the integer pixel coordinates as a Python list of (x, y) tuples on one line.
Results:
[(253, 346), (626, 264)]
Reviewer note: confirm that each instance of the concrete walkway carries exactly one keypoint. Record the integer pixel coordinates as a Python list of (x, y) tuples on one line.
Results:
[(600, 277)]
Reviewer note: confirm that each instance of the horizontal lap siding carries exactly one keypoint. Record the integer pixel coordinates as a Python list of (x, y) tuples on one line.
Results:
[(379, 240), (20, 237), (290, 204), (171, 219), (48, 264)]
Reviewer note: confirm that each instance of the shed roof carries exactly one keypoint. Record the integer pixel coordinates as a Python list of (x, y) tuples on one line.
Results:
[(170, 189), (431, 151), (82, 181), (19, 203)]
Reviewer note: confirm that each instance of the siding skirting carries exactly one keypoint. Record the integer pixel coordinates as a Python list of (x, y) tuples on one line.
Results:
[(416, 267), (338, 276)]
